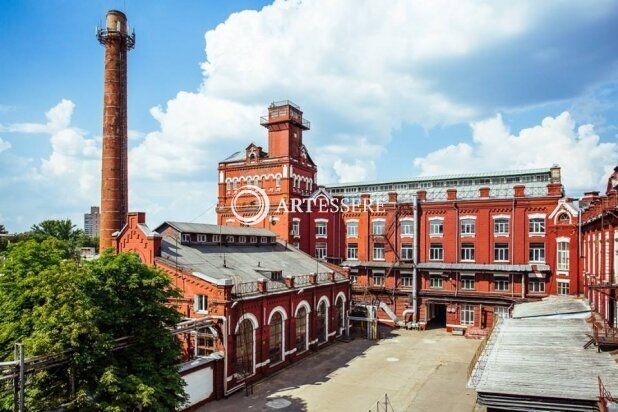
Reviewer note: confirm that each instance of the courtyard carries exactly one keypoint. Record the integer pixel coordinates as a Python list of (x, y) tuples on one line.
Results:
[(418, 371)]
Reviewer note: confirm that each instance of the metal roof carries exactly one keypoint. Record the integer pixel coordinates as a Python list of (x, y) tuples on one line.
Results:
[(235, 157), (553, 306), (241, 264), (205, 228), (482, 267), (543, 360), (507, 173)]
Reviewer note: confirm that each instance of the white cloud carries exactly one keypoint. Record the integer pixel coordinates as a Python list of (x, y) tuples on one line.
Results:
[(4, 145), (585, 161)]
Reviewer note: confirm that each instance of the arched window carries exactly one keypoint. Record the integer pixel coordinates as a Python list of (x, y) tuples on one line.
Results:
[(340, 316), (249, 181), (235, 183), (301, 329), (228, 186), (322, 322), (564, 218), (278, 181), (244, 341), (275, 349)]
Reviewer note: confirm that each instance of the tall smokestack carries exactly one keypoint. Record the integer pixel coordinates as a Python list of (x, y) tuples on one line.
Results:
[(114, 178)]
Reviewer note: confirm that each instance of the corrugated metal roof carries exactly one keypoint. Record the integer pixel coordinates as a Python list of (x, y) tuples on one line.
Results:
[(235, 157), (507, 173), (240, 263), (481, 267), (552, 306), (543, 358), (205, 228)]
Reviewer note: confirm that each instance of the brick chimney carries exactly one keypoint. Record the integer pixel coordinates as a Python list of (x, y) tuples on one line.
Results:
[(519, 191), (392, 197), (421, 194), (451, 194), (484, 192)]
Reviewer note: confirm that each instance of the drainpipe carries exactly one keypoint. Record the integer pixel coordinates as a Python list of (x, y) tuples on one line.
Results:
[(225, 354), (457, 235), (415, 253), (579, 246)]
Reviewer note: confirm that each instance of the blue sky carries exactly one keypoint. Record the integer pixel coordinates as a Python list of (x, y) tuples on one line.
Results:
[(412, 88)]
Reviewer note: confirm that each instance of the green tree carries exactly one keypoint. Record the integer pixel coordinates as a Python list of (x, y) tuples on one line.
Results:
[(53, 304), (60, 229)]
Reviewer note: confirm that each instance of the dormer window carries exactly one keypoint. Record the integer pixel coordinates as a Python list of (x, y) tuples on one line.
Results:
[(564, 218), (276, 276)]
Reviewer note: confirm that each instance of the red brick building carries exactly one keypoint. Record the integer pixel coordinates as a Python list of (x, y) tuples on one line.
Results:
[(599, 235), (272, 303), (452, 250)]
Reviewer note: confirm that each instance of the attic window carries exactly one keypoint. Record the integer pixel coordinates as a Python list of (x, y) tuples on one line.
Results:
[(252, 157), (276, 276), (564, 218)]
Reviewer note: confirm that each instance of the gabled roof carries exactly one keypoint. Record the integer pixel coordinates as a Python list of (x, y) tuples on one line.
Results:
[(209, 229)]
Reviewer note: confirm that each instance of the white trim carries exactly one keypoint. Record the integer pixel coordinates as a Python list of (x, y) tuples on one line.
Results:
[(378, 219), (320, 220), (435, 218), (218, 282), (351, 220), (295, 219), (563, 280), (302, 303), (256, 324), (500, 217), (457, 325), (290, 352), (313, 342), (537, 216), (342, 295), (279, 309), (332, 334), (406, 218), (324, 297), (563, 239), (467, 217)]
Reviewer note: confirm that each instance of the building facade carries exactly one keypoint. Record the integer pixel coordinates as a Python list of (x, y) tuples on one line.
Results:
[(271, 304), (454, 251), (599, 236), (92, 221)]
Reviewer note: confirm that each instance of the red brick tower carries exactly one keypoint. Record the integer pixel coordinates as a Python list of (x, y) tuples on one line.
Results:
[(114, 194)]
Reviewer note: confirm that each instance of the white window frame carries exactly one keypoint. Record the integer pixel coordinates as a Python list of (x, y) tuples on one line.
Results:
[(375, 254), (200, 303), (321, 228), (562, 284), (436, 227), (216, 238), (296, 227), (408, 224), (501, 254), (433, 252), (536, 285), (536, 254), (407, 251), (253, 239), (536, 225), (562, 255), (467, 225), (378, 223), (502, 284), (407, 281), (467, 315), (264, 239), (229, 238), (321, 251), (436, 282), (501, 226), (242, 239), (351, 224), (467, 252), (355, 249), (377, 279), (468, 282), (501, 312), (186, 237), (202, 238)]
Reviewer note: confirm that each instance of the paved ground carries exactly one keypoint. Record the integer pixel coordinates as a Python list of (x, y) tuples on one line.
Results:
[(420, 371)]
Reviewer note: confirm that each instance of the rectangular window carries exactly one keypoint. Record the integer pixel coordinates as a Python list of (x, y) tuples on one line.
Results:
[(501, 252), (407, 251), (353, 251), (216, 238), (296, 228), (378, 279), (353, 278), (467, 282), (467, 315), (378, 251), (242, 239), (253, 239), (500, 312), (563, 288), (436, 252), (320, 251), (352, 228), (563, 256), (201, 238), (501, 226), (377, 227), (407, 227), (435, 282), (263, 239), (501, 284), (536, 286), (436, 227), (204, 343), (229, 239), (406, 281), (536, 226), (467, 226), (537, 253), (201, 303), (320, 229), (467, 252), (186, 237)]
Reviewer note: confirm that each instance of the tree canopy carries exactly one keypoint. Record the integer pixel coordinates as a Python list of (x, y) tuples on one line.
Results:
[(51, 303)]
